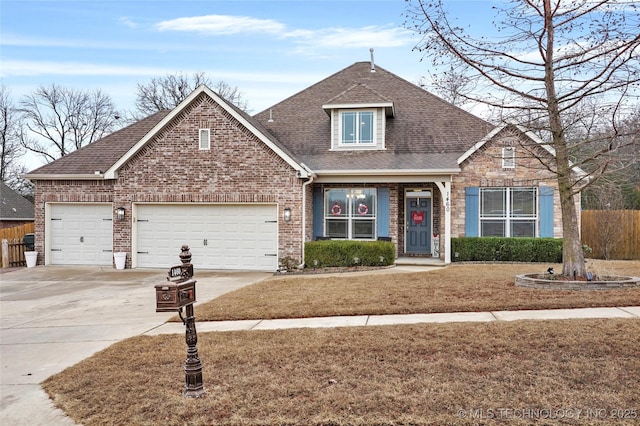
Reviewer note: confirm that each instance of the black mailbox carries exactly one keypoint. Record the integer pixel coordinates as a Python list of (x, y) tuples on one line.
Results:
[(170, 297)]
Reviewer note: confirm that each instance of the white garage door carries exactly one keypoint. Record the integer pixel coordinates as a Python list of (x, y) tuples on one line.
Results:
[(238, 236), (81, 234)]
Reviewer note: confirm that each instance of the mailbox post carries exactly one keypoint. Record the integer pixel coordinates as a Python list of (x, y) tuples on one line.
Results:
[(179, 292)]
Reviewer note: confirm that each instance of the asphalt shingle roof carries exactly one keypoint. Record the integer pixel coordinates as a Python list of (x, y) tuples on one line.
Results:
[(426, 132), (14, 206)]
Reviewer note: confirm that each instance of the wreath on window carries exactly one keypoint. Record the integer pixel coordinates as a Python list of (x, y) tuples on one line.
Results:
[(336, 209), (363, 209)]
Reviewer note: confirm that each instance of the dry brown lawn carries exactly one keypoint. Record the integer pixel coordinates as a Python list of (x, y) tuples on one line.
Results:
[(572, 372), (456, 288), (576, 372)]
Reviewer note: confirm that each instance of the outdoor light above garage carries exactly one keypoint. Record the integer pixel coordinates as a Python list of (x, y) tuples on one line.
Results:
[(120, 213), (287, 214)]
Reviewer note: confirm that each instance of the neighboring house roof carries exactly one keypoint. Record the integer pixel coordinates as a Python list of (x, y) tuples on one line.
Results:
[(103, 158), (14, 206), (424, 134)]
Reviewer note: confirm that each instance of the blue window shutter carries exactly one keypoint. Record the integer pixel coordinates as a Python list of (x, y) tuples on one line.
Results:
[(318, 212), (472, 211), (383, 212), (546, 211)]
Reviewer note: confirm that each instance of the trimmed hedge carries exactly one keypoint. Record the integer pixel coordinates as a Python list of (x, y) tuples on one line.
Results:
[(331, 253), (490, 249)]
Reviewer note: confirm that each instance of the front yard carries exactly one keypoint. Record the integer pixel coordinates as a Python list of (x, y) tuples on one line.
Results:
[(456, 288), (577, 372)]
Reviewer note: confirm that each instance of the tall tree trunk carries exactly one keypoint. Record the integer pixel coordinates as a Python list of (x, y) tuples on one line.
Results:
[(572, 257)]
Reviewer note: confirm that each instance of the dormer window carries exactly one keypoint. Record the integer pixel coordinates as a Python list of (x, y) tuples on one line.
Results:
[(358, 125), (357, 128)]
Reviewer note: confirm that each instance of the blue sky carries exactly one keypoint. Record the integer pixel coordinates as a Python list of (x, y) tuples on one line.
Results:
[(268, 49)]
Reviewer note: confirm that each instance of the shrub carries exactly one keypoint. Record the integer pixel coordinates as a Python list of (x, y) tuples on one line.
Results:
[(330, 253), (489, 249)]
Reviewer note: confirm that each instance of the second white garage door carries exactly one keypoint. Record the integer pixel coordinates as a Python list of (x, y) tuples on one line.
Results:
[(220, 236)]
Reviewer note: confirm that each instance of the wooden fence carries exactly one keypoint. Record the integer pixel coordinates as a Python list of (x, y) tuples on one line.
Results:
[(17, 232), (612, 234), (13, 252)]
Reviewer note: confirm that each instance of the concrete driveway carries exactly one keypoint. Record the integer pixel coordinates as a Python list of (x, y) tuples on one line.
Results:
[(52, 317)]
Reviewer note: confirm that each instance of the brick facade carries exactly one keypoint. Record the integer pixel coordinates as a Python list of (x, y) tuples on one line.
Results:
[(239, 168), (484, 169), (242, 167)]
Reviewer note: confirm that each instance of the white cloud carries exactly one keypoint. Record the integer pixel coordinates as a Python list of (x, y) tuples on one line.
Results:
[(347, 38), (14, 68), (221, 25), (86, 43), (35, 68), (307, 40), (128, 22)]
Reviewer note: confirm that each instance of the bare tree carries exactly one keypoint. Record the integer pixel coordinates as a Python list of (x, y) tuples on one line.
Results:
[(163, 93), (60, 120), (453, 85), (550, 57), (10, 127)]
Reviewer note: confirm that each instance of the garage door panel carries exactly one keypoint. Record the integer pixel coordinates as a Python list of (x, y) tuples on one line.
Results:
[(219, 236), (81, 234)]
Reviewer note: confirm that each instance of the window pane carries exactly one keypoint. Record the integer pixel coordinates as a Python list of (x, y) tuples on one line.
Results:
[(523, 228), (349, 120), (363, 229), (363, 202), (492, 228), (508, 158), (205, 140), (336, 228), (336, 203), (523, 202), (366, 127), (493, 202)]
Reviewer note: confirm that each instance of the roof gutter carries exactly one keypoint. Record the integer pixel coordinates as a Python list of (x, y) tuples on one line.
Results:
[(388, 172), (390, 176), (78, 176)]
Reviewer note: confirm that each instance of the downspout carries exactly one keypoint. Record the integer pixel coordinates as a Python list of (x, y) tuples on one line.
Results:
[(304, 212)]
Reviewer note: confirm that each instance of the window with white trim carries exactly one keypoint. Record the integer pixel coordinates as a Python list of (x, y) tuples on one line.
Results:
[(204, 139), (508, 157), (350, 213), (508, 212), (357, 128)]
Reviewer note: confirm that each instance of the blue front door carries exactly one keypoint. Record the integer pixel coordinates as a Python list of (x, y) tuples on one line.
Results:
[(418, 238)]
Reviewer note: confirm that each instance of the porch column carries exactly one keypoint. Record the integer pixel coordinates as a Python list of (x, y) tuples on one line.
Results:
[(445, 192)]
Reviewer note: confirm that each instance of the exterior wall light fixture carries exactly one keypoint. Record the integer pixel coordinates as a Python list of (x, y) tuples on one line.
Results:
[(120, 213), (287, 214)]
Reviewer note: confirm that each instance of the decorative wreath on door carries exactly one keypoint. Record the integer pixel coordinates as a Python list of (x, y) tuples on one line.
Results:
[(363, 209), (336, 209)]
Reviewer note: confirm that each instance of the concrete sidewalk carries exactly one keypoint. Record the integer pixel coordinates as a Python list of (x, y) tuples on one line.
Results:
[(373, 320)]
